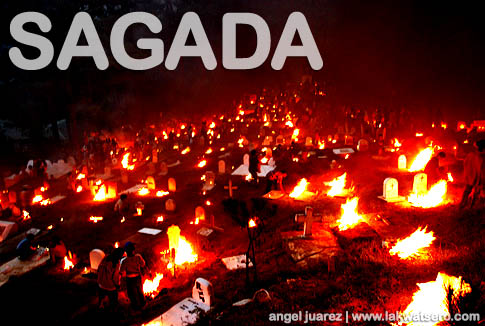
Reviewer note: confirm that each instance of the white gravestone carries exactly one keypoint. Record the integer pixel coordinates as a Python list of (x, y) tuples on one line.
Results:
[(95, 258), (420, 184), (390, 191)]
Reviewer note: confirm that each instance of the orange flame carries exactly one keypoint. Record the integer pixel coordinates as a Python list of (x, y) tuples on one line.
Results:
[(37, 199), (125, 162), (450, 177), (337, 186), (185, 151), (299, 188), (96, 219), (432, 298), (68, 264), (183, 249), (208, 151), (143, 191), (150, 287), (25, 215), (414, 245), (252, 223), (202, 163), (161, 193), (434, 197), (79, 188), (101, 194), (350, 217), (421, 160), (160, 218)]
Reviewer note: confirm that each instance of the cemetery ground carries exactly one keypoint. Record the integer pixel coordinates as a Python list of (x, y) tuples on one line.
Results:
[(361, 276)]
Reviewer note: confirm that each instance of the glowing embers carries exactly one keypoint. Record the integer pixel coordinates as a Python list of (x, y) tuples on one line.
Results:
[(434, 197), (350, 217), (202, 163), (434, 299), (421, 160), (150, 287), (413, 246), (95, 219), (337, 186), (183, 249)]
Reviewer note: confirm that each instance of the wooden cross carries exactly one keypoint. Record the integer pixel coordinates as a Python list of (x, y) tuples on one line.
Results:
[(230, 187), (308, 218)]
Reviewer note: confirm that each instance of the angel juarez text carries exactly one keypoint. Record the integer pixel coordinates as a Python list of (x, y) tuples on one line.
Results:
[(82, 23)]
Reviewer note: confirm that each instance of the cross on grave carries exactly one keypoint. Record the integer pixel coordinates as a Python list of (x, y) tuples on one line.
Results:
[(230, 188), (308, 218)]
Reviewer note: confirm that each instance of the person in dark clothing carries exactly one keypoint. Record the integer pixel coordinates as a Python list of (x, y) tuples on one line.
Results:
[(254, 164), (25, 249), (275, 181), (133, 268), (434, 169)]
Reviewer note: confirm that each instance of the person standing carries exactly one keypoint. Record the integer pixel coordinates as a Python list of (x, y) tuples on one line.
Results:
[(133, 268), (474, 174)]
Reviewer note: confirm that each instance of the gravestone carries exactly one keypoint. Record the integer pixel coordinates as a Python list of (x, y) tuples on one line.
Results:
[(222, 167), (280, 140), (202, 291), (308, 141), (420, 184), (349, 140), (7, 227), (172, 185), (163, 168), (402, 162), (362, 145), (151, 183), (308, 218), (200, 213), (95, 258), (246, 159), (170, 205), (230, 187), (390, 191)]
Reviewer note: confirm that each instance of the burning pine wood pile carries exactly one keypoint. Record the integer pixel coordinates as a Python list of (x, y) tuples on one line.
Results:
[(351, 224)]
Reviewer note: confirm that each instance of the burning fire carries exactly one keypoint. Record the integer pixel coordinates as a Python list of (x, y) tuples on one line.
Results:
[(101, 194), (299, 188), (79, 188), (80, 176), (125, 162), (296, 132), (337, 186), (202, 163), (96, 219), (161, 193), (150, 287), (432, 298), (421, 160), (160, 218), (208, 151), (434, 197), (185, 151), (264, 160), (143, 191), (183, 249), (25, 215), (414, 245), (396, 143), (37, 199), (450, 177), (68, 264), (350, 217), (252, 223)]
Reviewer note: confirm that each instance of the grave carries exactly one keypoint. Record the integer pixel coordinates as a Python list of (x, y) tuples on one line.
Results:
[(172, 185), (149, 231), (95, 258), (151, 185), (362, 145), (222, 167), (200, 213), (390, 191), (7, 228), (236, 262), (308, 218), (170, 205), (155, 156), (246, 159), (308, 141), (210, 181), (420, 184), (187, 311), (230, 188)]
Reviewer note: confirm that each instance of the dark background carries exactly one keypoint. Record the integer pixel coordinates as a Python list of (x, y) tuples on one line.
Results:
[(420, 54)]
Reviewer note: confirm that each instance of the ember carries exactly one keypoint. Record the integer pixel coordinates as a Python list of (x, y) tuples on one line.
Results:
[(252, 223), (96, 219), (413, 246), (202, 163), (25, 215), (161, 193), (350, 217), (125, 162), (434, 197), (143, 191)]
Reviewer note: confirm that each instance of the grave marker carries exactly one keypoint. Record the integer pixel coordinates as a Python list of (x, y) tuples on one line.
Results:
[(420, 184), (170, 205), (151, 183), (222, 167), (402, 162), (308, 218), (390, 191), (172, 185)]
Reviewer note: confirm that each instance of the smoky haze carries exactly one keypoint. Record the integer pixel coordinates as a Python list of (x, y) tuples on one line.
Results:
[(376, 53)]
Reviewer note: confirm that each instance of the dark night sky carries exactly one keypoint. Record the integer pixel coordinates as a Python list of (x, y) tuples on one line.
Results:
[(424, 53)]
